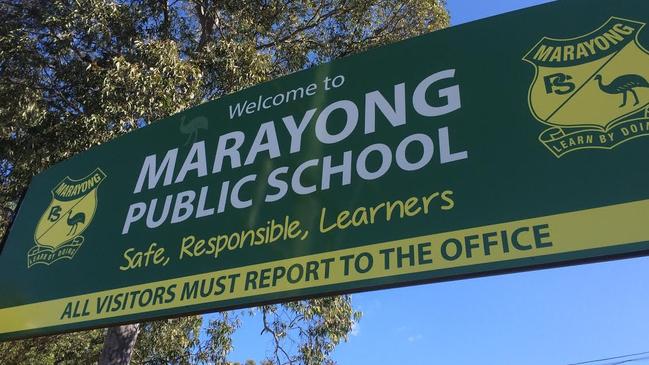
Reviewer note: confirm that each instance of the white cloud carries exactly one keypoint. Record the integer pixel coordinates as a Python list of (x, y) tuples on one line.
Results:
[(402, 329), (356, 329), (415, 338)]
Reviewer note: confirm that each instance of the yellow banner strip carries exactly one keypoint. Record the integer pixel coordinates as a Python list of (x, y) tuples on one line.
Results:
[(562, 233)]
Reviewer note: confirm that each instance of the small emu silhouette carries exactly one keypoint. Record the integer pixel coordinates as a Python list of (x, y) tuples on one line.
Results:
[(192, 127), (74, 221), (624, 85)]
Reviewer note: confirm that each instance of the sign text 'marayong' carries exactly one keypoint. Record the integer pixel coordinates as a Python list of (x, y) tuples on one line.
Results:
[(233, 150)]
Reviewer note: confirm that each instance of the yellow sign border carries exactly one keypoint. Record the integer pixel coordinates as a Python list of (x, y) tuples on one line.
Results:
[(603, 227)]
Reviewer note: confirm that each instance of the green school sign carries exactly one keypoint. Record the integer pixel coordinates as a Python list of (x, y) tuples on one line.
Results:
[(511, 143)]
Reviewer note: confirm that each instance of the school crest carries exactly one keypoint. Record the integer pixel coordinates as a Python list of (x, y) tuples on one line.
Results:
[(593, 90), (59, 231)]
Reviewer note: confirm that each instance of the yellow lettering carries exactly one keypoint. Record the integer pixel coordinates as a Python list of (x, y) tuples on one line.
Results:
[(543, 53)]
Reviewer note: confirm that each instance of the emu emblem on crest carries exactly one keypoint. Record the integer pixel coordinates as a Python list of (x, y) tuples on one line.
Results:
[(593, 90), (58, 232)]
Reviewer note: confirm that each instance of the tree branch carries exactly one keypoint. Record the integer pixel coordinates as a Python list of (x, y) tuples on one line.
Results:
[(276, 339), (206, 21), (312, 23)]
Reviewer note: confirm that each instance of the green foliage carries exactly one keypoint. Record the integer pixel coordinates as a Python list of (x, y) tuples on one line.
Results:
[(74, 348), (77, 73), (306, 332), (173, 341)]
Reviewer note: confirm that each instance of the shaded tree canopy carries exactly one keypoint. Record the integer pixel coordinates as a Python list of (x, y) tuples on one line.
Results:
[(76, 73)]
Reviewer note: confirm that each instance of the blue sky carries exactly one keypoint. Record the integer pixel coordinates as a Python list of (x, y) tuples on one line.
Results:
[(463, 11), (560, 316)]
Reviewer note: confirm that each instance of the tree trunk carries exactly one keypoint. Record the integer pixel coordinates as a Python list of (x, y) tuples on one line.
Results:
[(118, 345)]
